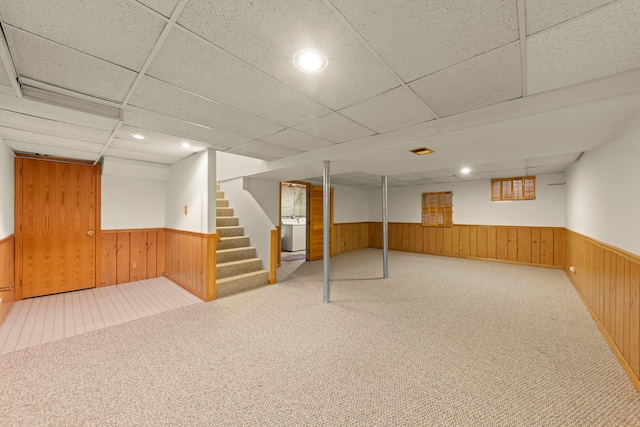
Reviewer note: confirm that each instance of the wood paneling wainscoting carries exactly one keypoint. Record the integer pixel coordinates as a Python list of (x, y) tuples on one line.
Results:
[(191, 261), (608, 280), (350, 236), (130, 255), (7, 275), (541, 246)]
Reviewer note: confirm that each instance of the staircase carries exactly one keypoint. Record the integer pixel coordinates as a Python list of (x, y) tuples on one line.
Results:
[(237, 267)]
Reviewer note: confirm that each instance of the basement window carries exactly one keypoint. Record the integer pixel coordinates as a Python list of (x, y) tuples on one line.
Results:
[(519, 188), (437, 209)]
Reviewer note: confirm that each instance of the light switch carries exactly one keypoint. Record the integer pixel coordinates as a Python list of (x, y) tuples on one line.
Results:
[(185, 209)]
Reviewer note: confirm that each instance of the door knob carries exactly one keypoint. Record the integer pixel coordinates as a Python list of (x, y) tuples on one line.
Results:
[(90, 233)]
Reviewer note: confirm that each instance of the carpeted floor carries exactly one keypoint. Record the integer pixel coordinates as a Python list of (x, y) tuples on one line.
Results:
[(443, 342)]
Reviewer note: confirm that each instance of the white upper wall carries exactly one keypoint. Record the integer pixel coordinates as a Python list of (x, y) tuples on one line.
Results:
[(229, 165), (7, 189), (133, 194), (472, 204), (602, 194), (350, 204), (187, 186)]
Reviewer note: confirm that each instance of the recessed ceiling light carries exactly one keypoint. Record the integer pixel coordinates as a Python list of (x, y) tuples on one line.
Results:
[(465, 170), (310, 60), (185, 145), (137, 136), (422, 150)]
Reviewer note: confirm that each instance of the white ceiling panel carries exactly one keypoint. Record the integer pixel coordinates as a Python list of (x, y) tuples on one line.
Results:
[(335, 128), (164, 7), (169, 100), (55, 151), (405, 177), (542, 170), (601, 43), (48, 140), (391, 110), (272, 33), (296, 140), (144, 119), (52, 63), (217, 75), (500, 166), (10, 119), (163, 141), (484, 80), (509, 173), (117, 31), (474, 176), (4, 80), (418, 38), (552, 160), (264, 150), (153, 147), (445, 179), (434, 173), (144, 157), (542, 14)]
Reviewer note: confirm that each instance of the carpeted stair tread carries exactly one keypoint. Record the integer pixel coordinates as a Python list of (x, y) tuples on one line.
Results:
[(227, 221), (237, 268), (222, 203), (235, 254), (233, 242), (219, 194), (231, 231), (243, 282), (224, 211)]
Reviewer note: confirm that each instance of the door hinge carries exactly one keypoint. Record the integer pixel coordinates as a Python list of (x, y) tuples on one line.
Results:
[(20, 227)]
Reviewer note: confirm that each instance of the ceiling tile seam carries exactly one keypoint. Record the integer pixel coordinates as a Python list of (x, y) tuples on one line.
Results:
[(8, 63), (253, 67), (52, 146), (522, 28), (576, 18), (156, 49), (106, 145), (51, 120), (150, 10), (329, 5), (50, 135)]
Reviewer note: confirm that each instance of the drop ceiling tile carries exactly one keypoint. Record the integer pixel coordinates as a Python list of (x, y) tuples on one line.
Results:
[(335, 128), (405, 177), (145, 157), (164, 7), (418, 38), (4, 80), (154, 147), (10, 119), (434, 173), (280, 28), (542, 170), (509, 173), (52, 63), (484, 80), (446, 179), (542, 14), (551, 160), (160, 140), (117, 31), (391, 110), (169, 100), (219, 76), (263, 150), (297, 140), (474, 176), (499, 166), (144, 119), (51, 150), (601, 43), (48, 140), (363, 174)]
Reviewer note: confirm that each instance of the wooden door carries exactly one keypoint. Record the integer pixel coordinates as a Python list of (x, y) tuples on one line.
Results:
[(315, 223), (59, 226)]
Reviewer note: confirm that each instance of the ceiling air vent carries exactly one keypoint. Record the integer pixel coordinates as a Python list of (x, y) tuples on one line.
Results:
[(421, 151)]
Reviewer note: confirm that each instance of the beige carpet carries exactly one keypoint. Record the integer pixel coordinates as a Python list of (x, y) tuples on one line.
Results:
[(442, 342)]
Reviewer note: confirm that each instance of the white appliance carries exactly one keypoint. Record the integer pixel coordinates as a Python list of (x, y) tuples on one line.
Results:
[(294, 232)]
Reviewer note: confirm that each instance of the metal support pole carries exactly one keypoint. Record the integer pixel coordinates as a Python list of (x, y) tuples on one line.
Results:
[(326, 231), (385, 231)]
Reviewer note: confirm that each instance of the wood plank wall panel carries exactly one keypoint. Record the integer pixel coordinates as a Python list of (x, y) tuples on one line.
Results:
[(352, 236), (130, 255), (512, 244), (7, 275), (188, 261), (608, 280)]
